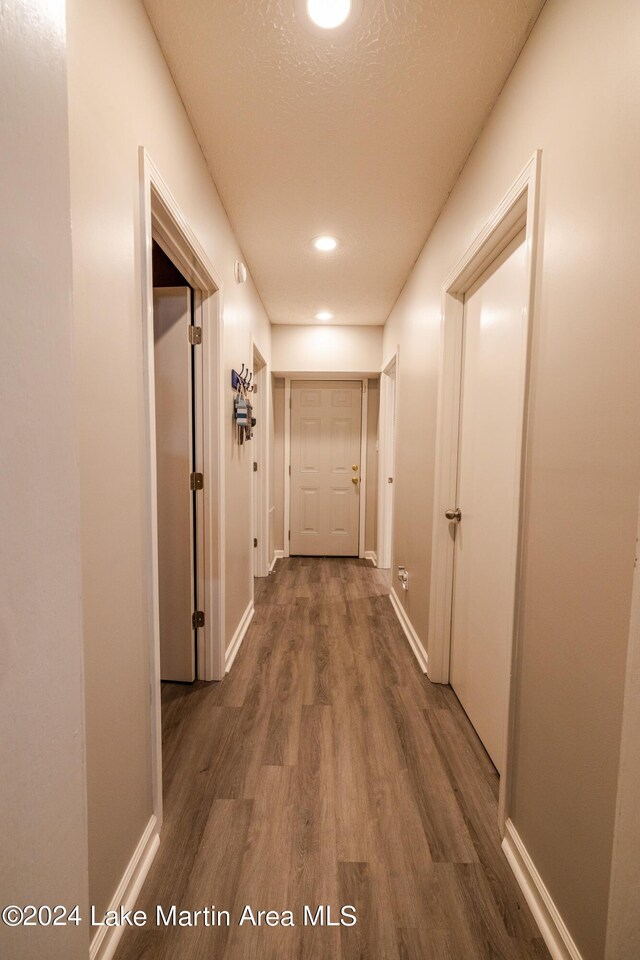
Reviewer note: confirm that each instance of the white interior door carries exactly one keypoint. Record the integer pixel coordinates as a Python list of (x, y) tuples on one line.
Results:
[(174, 450), (493, 383), (326, 423)]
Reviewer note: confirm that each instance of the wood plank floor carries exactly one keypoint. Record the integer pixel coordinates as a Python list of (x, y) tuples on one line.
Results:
[(326, 769)]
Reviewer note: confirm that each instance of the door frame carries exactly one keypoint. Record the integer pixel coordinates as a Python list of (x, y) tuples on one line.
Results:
[(386, 442), (260, 523), (364, 395), (517, 210), (161, 219)]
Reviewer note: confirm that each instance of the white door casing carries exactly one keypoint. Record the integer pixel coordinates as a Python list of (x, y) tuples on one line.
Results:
[(490, 438), (173, 400), (162, 220), (325, 487)]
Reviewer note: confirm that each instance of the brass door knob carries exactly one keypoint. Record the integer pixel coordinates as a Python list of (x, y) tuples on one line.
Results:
[(355, 467), (355, 480)]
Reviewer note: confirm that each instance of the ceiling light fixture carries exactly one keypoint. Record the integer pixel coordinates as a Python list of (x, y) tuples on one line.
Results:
[(324, 315), (328, 14), (325, 244)]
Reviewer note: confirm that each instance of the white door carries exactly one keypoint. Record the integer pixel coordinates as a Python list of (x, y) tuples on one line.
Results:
[(491, 423), (326, 419), (174, 451)]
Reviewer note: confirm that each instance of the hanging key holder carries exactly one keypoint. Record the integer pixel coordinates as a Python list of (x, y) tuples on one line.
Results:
[(242, 408)]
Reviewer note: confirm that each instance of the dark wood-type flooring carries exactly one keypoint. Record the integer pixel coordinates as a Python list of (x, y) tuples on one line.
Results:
[(326, 769)]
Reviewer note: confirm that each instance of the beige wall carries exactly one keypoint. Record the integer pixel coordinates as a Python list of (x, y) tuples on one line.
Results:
[(575, 93), (371, 508), (326, 349), (42, 787), (121, 97)]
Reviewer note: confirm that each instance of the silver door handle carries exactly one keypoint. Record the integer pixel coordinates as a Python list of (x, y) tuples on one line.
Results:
[(454, 515)]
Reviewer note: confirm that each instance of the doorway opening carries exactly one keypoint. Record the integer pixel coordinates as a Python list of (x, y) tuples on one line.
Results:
[(183, 402), (178, 420), (479, 483)]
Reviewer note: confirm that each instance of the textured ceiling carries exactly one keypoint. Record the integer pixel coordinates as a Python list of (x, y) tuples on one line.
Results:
[(359, 134)]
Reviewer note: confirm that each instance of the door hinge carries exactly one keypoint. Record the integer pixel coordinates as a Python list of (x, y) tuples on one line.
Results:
[(289, 469), (255, 541), (195, 335), (255, 467), (289, 534), (196, 481), (197, 619)]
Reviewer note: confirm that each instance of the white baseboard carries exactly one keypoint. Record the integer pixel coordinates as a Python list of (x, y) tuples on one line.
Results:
[(238, 637), (411, 635), (554, 931), (277, 555), (371, 555), (106, 939)]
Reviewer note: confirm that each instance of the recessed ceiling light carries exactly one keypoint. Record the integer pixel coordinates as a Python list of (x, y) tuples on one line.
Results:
[(325, 244), (324, 315), (328, 14)]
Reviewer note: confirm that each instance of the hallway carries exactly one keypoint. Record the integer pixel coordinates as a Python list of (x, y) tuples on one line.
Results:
[(326, 769)]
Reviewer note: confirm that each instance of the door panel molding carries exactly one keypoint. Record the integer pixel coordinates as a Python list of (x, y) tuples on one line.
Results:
[(287, 451), (326, 432), (518, 209)]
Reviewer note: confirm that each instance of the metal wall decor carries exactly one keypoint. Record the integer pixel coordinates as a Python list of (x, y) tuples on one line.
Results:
[(242, 407)]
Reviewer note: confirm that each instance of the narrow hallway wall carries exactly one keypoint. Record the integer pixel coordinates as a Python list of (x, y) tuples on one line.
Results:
[(121, 96), (43, 830), (583, 455)]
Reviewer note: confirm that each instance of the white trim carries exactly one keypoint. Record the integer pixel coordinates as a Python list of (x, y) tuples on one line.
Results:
[(554, 931), (518, 209), (362, 506), (239, 635), (371, 555), (262, 379), (277, 555), (409, 632), (287, 463), (106, 939), (387, 419)]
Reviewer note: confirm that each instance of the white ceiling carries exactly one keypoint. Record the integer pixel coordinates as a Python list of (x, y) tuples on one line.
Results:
[(359, 133)]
